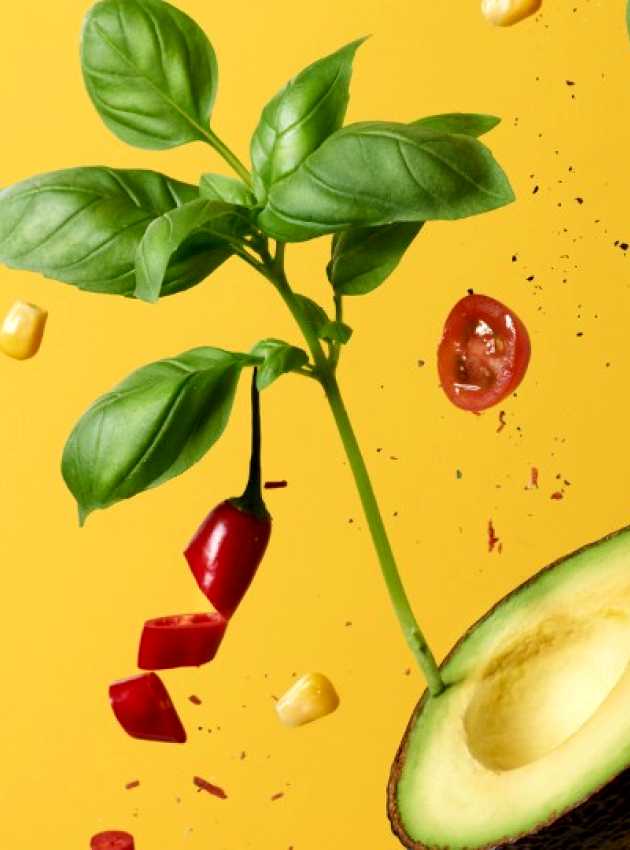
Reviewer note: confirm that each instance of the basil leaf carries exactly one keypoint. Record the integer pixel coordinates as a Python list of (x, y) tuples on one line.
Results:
[(153, 426), (216, 187), (315, 314), (279, 358), (336, 332), (83, 226), (298, 119), (150, 71), (381, 173), (465, 123), (164, 236), (364, 257)]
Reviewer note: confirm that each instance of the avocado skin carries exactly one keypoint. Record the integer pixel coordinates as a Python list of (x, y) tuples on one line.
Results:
[(599, 822)]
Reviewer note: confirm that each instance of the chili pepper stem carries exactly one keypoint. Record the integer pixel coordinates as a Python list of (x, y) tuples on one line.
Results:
[(252, 498), (325, 372)]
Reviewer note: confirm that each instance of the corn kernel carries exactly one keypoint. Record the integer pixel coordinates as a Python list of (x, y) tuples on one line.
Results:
[(504, 13), (310, 698), (22, 330)]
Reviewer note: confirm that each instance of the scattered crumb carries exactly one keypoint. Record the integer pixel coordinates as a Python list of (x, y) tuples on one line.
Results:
[(204, 785), (130, 785), (533, 479), (458, 474), (278, 796), (557, 495), (194, 699), (502, 422), (243, 755), (492, 537), (421, 363), (276, 485)]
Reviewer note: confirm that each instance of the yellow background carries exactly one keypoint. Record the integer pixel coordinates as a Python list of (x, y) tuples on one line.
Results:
[(74, 601)]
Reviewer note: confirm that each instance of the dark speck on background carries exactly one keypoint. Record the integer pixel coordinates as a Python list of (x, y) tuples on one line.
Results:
[(277, 796), (194, 699), (557, 495), (502, 422), (130, 785)]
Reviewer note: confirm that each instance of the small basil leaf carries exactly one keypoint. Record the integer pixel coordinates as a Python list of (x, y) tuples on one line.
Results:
[(304, 113), (336, 332), (315, 314), (381, 173), (83, 226), (153, 426), (465, 123), (279, 358), (364, 257), (150, 71), (167, 234), (216, 187)]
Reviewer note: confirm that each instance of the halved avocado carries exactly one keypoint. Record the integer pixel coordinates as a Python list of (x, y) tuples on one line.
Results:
[(529, 745)]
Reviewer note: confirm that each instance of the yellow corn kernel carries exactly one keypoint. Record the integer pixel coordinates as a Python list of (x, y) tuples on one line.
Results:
[(22, 330), (310, 698), (504, 13)]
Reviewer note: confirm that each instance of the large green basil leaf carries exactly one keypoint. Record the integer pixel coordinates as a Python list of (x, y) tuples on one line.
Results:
[(305, 112), (165, 236), (153, 426), (217, 187), (466, 123), (364, 257), (150, 71), (381, 173), (279, 358), (83, 226)]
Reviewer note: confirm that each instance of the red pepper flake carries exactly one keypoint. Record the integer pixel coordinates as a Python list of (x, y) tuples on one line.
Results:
[(276, 485), (195, 700), (204, 785), (557, 495), (492, 537), (277, 797), (502, 422), (533, 478), (130, 785)]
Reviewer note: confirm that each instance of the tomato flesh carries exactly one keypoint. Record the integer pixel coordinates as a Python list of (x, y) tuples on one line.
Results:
[(112, 841), (483, 354)]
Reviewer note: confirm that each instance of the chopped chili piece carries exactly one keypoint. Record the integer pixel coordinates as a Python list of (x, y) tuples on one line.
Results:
[(112, 841), (144, 709), (276, 485), (183, 640), (204, 785)]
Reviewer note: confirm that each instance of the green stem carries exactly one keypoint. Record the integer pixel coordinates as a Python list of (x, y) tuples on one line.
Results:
[(325, 373), (228, 155)]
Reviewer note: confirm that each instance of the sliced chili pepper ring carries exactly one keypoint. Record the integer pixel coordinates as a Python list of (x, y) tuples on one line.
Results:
[(144, 709), (112, 840), (183, 640)]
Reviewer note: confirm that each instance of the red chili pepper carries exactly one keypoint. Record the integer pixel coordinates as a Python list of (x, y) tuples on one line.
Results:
[(225, 552), (184, 640), (144, 709), (112, 841)]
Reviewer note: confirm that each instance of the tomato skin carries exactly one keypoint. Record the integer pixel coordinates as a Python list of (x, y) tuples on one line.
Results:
[(484, 353)]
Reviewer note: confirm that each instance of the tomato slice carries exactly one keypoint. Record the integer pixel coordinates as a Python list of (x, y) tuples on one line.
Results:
[(484, 353), (112, 841)]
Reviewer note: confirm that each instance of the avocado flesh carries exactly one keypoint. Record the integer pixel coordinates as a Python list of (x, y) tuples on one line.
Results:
[(534, 724)]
